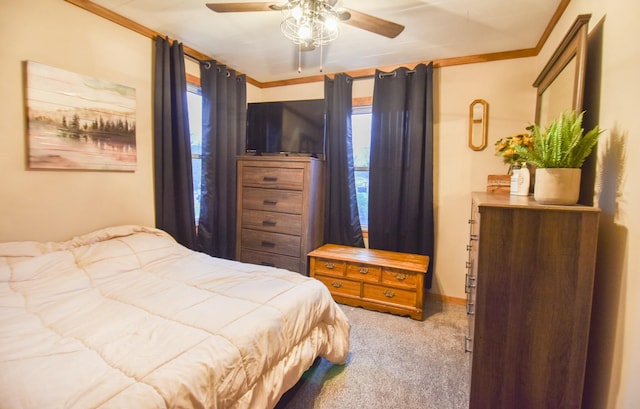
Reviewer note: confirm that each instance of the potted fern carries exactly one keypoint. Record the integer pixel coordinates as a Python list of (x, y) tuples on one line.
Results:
[(558, 154)]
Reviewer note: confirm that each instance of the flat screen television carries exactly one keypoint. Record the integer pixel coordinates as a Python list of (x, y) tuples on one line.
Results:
[(295, 127)]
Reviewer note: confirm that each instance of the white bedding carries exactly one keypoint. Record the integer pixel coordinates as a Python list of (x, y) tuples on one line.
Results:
[(127, 318)]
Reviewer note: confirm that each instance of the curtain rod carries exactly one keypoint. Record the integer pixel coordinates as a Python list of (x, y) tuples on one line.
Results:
[(194, 58), (382, 75), (206, 62), (360, 77)]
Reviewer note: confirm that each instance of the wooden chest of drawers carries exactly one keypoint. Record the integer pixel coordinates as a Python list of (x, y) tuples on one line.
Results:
[(531, 272), (279, 210), (374, 279)]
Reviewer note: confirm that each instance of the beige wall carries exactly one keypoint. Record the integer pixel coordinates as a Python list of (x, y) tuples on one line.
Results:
[(54, 205), (613, 369), (50, 205)]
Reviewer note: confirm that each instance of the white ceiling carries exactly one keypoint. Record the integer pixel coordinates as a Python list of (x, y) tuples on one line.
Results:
[(251, 42)]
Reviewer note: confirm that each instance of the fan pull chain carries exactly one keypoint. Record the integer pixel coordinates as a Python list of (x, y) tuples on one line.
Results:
[(321, 41), (299, 58)]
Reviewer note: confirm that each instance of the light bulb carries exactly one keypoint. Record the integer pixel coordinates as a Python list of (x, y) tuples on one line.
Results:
[(331, 23), (297, 12), (304, 31)]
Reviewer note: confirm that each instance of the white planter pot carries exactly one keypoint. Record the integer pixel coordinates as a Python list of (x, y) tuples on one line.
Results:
[(559, 186)]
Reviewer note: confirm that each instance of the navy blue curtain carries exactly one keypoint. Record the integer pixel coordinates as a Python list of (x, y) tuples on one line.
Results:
[(341, 220), (224, 124), (401, 163), (173, 180)]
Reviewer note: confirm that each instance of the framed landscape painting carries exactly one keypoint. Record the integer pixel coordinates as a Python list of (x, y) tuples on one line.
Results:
[(78, 122)]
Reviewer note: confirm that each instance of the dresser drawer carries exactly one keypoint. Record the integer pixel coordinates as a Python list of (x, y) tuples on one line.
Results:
[(364, 272), (272, 200), (271, 242), (270, 259), (273, 178), (401, 278), (389, 295), (340, 286), (329, 267), (272, 221)]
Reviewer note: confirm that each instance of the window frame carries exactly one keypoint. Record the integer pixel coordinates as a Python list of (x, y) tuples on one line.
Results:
[(362, 105), (193, 86)]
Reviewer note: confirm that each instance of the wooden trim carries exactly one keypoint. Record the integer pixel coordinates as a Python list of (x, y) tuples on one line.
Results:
[(192, 79), (293, 81), (140, 29), (114, 17), (552, 24), (446, 62), (445, 299), (362, 101)]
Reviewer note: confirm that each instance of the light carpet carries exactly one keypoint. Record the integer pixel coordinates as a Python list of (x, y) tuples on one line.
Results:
[(394, 362)]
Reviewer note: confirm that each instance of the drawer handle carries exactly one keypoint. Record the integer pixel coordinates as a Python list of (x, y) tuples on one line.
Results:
[(336, 284), (468, 264), (470, 308), (470, 281), (471, 221), (330, 266), (469, 247), (269, 202), (468, 342), (364, 270), (270, 223), (474, 237), (270, 179), (389, 294), (400, 276), (268, 244)]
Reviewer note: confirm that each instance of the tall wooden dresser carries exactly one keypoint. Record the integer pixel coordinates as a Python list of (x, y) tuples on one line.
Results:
[(280, 210), (529, 291)]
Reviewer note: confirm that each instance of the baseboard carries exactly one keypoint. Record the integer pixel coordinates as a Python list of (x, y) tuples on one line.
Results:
[(445, 298)]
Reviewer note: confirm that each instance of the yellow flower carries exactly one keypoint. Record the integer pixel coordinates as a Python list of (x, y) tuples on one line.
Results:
[(504, 147)]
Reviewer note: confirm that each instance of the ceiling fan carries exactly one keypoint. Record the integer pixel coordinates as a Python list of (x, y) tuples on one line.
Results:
[(348, 16)]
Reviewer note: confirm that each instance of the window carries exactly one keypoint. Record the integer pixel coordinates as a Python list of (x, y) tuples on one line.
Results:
[(361, 141), (194, 106)]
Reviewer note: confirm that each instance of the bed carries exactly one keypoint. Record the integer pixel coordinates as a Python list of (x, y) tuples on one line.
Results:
[(125, 317)]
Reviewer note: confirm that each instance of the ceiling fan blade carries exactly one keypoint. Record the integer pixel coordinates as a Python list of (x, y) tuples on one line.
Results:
[(240, 7), (374, 24)]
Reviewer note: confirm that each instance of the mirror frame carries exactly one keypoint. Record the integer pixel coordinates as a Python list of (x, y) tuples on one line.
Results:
[(483, 122), (574, 44)]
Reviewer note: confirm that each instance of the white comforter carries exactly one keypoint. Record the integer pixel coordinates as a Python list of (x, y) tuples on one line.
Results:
[(126, 318)]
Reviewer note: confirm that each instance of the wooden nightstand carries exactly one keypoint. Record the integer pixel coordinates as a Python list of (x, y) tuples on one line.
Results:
[(379, 280)]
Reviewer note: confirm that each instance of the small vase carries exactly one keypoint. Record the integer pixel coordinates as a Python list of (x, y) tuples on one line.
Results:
[(520, 179)]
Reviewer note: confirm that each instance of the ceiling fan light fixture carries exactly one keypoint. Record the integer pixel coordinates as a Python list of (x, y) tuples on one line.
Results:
[(309, 22)]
